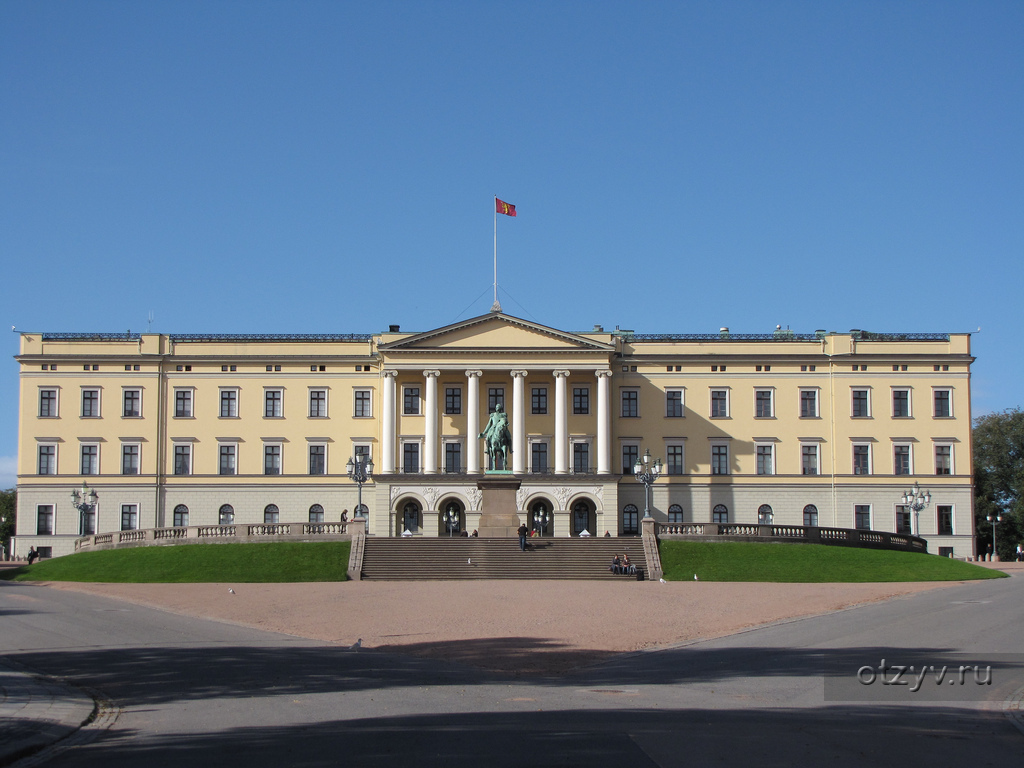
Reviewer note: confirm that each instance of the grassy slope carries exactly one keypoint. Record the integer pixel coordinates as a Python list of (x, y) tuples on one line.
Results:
[(741, 561), (284, 562)]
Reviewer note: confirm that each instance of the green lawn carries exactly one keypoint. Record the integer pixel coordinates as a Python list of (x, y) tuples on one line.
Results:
[(284, 562), (742, 561)]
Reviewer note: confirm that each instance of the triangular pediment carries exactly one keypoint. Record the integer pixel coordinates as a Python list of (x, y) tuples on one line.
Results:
[(495, 332)]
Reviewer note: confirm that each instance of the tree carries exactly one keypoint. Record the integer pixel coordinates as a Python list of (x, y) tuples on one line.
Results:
[(8, 507), (998, 441)]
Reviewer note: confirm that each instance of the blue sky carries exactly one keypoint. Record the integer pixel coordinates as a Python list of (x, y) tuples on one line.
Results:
[(677, 166)]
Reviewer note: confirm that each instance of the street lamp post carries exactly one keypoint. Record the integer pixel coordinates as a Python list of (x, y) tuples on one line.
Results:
[(917, 500), (360, 471), (996, 518), (646, 472), (85, 502), (540, 521)]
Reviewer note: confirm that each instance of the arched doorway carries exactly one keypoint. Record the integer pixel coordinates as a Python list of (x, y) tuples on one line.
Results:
[(410, 517), (582, 517), (316, 513), (227, 515), (542, 518), (451, 520)]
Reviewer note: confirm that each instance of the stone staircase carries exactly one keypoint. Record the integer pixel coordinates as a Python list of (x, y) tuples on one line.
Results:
[(421, 559)]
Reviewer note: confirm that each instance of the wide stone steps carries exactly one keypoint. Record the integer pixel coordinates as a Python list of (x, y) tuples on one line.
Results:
[(421, 559)]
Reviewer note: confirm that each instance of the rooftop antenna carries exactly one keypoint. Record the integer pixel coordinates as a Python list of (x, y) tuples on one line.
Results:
[(149, 322)]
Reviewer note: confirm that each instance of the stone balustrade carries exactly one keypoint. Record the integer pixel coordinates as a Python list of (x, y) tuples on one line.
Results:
[(848, 537), (198, 534)]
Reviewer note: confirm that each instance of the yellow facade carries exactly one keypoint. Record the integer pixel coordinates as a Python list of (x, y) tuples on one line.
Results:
[(824, 429)]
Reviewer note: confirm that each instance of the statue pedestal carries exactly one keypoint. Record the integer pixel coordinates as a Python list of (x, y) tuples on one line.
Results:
[(499, 515)]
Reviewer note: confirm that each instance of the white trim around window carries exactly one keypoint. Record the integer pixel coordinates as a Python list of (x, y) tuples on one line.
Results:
[(88, 447), (189, 403), (759, 401), (98, 403), (322, 451), (52, 410), (675, 456), (948, 391), (533, 440), (127, 452), (362, 403), (724, 401), (947, 444), (765, 449), (52, 446), (233, 404), (909, 445), (318, 407), (910, 402), (816, 400), (125, 400), (273, 407), (670, 403), (865, 450)]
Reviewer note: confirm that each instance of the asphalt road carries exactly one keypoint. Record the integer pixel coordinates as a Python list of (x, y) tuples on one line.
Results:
[(199, 692)]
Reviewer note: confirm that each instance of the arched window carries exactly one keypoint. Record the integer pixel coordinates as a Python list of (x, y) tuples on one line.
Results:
[(630, 520), (765, 515), (316, 514), (720, 514), (811, 515), (227, 515), (675, 513), (181, 516), (271, 515), (541, 519)]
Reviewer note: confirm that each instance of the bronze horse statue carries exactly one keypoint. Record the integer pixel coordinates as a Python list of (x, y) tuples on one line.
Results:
[(497, 438)]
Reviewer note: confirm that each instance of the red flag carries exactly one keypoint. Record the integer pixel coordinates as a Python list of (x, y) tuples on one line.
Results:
[(502, 207)]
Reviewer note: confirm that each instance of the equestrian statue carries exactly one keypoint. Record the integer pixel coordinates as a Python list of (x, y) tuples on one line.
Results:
[(497, 438)]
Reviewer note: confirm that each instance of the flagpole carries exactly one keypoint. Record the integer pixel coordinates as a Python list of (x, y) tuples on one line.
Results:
[(495, 252)]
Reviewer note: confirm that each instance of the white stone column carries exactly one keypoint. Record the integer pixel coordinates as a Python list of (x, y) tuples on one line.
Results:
[(430, 430), (519, 422), (561, 424), (604, 424), (473, 422), (387, 428)]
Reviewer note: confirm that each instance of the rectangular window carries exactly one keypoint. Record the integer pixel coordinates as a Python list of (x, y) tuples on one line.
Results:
[(361, 452), (182, 459), (674, 403), (452, 458), (411, 458), (943, 403), (129, 517), (318, 403), (945, 519), (903, 520), (318, 459), (901, 403), (363, 405), (809, 459), (630, 404), (132, 403), (581, 400), (183, 403), (808, 403), (229, 403), (271, 459), (272, 403), (90, 403), (411, 401), (47, 459), (44, 520), (539, 400), (861, 407), (901, 459), (763, 406), (581, 458), (862, 459), (90, 460), (539, 457), (495, 397), (228, 459), (943, 459), (719, 459), (47, 403), (630, 455), (765, 459), (453, 400), (719, 403), (862, 517), (129, 459), (674, 459)]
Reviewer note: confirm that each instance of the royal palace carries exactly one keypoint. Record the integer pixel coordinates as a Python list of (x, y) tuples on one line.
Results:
[(803, 429)]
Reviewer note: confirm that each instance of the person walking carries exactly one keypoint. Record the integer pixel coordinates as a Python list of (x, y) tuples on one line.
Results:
[(523, 531)]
